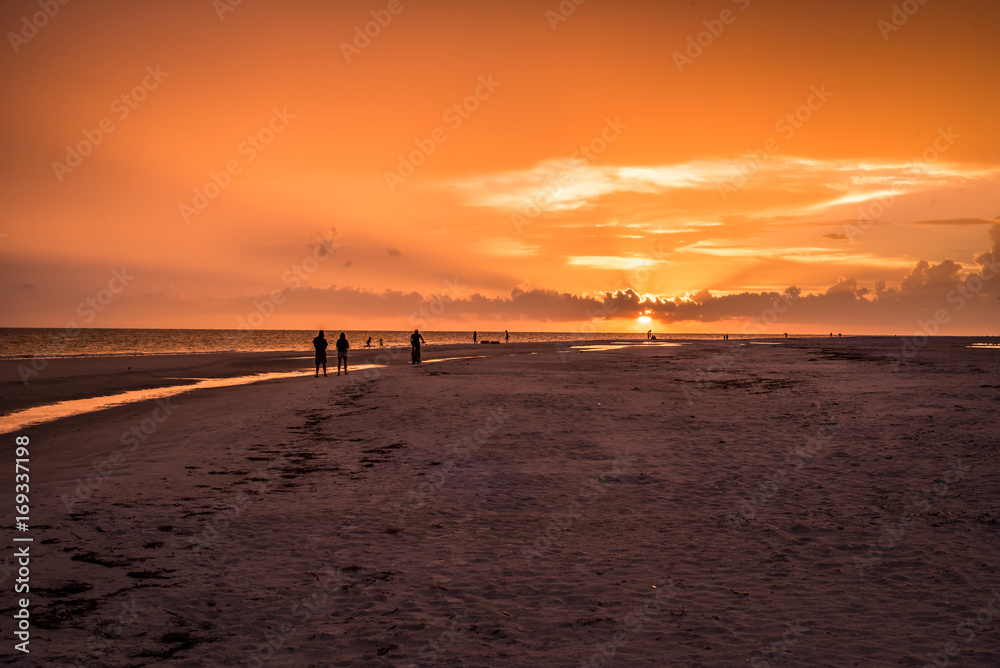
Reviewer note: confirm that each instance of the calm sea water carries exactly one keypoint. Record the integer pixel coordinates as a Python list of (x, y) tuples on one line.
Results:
[(18, 342)]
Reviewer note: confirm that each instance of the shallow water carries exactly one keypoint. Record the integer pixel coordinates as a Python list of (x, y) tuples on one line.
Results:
[(26, 342), (30, 417)]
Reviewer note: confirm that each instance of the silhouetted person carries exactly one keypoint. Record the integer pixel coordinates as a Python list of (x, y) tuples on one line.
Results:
[(342, 346), (415, 341), (649, 334), (474, 337), (506, 336), (380, 344), (786, 335), (320, 344), (368, 343)]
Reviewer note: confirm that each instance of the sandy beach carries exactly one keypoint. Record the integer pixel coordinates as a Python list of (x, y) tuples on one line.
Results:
[(807, 502)]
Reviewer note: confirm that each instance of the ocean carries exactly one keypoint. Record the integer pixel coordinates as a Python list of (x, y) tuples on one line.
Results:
[(29, 342)]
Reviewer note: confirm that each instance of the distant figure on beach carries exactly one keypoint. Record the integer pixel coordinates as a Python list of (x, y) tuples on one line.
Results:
[(415, 340), (342, 346), (368, 343), (506, 336), (649, 334), (380, 344), (474, 337), (786, 335), (320, 344)]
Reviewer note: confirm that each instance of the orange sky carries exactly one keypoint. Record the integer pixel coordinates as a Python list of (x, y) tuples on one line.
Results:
[(823, 146)]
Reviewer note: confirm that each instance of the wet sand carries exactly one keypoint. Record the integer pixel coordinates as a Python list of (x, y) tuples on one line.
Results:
[(814, 503)]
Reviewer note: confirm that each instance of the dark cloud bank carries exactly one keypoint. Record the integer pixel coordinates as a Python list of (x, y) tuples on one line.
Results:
[(945, 293)]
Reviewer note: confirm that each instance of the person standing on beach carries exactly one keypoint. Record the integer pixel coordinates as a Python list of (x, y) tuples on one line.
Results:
[(474, 337), (342, 346), (320, 344), (415, 340), (506, 336)]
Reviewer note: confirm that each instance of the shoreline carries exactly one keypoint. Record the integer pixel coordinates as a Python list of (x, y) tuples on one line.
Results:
[(66, 379)]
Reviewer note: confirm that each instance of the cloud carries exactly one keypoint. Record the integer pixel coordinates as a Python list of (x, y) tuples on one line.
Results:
[(797, 254), (835, 236), (967, 295), (510, 248), (613, 263), (958, 221), (392, 251), (567, 185)]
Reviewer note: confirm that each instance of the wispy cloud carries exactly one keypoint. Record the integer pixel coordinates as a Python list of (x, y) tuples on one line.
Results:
[(800, 254), (566, 185), (510, 248), (616, 263)]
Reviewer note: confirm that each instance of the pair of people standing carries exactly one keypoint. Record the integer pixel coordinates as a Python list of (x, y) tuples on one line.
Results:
[(320, 344)]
